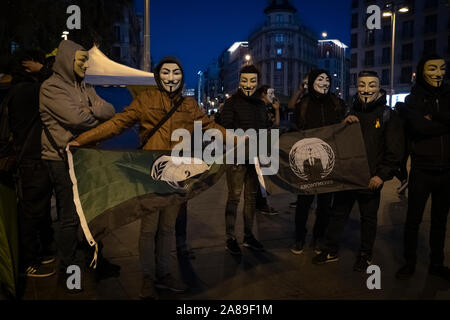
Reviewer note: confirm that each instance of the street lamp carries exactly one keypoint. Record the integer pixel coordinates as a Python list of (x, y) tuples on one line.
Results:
[(200, 73), (248, 58), (391, 10), (324, 35), (64, 35)]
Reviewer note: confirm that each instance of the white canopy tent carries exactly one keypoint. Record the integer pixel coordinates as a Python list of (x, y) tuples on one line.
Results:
[(103, 71)]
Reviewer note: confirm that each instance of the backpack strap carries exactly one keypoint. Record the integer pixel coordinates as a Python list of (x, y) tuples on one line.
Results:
[(177, 104)]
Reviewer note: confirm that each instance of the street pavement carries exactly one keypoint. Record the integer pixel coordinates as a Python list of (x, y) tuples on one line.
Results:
[(273, 274)]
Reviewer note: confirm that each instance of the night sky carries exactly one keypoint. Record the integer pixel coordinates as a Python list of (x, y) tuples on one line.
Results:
[(196, 31)]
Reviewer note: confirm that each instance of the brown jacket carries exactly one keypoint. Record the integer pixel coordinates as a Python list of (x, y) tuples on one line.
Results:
[(148, 109)]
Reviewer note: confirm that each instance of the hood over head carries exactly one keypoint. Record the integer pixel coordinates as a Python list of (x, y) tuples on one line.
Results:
[(420, 74), (65, 58), (170, 59), (312, 76)]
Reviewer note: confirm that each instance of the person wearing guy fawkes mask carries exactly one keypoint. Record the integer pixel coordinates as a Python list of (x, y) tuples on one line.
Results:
[(317, 108), (148, 109), (383, 137), (244, 110), (426, 113)]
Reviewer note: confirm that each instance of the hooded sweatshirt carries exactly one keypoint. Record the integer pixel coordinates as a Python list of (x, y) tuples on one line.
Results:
[(383, 135), (317, 109), (65, 101), (23, 112), (429, 140), (177, 94)]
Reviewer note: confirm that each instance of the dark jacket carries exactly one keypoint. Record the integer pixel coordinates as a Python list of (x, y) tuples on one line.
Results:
[(23, 113), (244, 112), (383, 136), (319, 110), (429, 140)]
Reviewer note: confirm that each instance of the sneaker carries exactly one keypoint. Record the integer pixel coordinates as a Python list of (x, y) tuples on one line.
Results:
[(297, 247), (293, 205), (171, 283), (315, 245), (39, 271), (268, 211), (233, 246), (48, 260), (363, 261), (325, 257), (148, 291), (252, 243), (403, 186), (440, 271), (405, 272)]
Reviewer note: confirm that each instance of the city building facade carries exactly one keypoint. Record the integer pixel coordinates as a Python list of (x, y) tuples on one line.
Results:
[(283, 49), (332, 56), (231, 62), (127, 47), (424, 28)]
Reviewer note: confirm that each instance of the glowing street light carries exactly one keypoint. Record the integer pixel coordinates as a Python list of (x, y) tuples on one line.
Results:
[(324, 34), (64, 34), (391, 11), (248, 58)]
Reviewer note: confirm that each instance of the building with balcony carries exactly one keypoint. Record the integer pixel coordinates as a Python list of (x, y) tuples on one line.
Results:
[(283, 49), (425, 28), (231, 62), (332, 56)]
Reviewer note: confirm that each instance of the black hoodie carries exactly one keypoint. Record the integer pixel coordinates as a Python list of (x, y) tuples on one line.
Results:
[(23, 112), (430, 140), (317, 109), (383, 136)]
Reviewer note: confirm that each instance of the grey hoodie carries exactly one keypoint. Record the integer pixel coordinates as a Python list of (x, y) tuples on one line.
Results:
[(63, 102)]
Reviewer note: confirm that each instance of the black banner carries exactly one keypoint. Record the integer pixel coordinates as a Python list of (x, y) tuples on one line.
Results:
[(322, 160)]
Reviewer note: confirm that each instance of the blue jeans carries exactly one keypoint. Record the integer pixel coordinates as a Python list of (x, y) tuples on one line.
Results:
[(156, 241)]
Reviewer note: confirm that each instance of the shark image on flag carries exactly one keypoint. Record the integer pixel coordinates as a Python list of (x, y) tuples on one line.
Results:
[(322, 160)]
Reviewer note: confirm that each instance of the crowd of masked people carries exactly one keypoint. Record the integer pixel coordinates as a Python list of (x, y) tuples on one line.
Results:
[(50, 107)]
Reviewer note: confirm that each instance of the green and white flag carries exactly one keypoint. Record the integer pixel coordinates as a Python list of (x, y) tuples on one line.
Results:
[(113, 188)]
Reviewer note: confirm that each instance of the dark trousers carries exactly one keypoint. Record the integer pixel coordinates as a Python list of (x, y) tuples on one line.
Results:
[(322, 215), (369, 202), (34, 190), (422, 184), (261, 202), (402, 174), (68, 221), (242, 176), (181, 226)]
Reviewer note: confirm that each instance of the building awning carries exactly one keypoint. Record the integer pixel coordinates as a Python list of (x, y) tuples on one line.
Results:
[(103, 71)]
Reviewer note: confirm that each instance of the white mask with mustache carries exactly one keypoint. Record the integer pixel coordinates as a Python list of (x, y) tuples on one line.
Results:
[(434, 72), (322, 83), (368, 89), (248, 83), (171, 76)]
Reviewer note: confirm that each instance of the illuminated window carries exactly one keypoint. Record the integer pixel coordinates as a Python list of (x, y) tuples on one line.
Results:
[(279, 51), (279, 65)]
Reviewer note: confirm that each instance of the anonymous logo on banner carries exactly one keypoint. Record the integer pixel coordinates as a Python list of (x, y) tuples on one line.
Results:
[(311, 159), (321, 160)]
